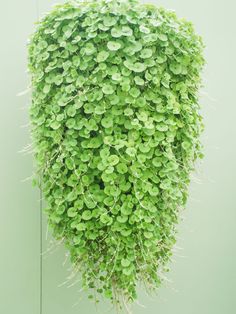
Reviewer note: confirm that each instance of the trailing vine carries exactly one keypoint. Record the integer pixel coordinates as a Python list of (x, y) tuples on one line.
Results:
[(115, 126)]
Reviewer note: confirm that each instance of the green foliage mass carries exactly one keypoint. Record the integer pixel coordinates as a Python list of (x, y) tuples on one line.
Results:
[(115, 125)]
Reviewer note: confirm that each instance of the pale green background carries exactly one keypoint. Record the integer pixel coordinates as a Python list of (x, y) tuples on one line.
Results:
[(203, 271)]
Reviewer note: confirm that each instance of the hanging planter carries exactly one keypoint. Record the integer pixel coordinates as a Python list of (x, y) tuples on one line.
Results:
[(115, 125)]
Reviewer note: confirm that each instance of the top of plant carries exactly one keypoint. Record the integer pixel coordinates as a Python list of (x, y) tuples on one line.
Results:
[(116, 127)]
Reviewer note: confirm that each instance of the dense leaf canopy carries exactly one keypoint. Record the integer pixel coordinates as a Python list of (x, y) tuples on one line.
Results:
[(115, 125)]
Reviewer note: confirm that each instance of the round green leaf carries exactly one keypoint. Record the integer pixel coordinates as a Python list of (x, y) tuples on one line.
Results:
[(87, 215), (125, 262), (102, 56), (113, 45)]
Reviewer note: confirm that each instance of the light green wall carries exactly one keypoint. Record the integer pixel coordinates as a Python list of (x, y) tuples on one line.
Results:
[(203, 272)]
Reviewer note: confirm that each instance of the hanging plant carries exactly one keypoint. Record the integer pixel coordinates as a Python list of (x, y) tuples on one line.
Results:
[(115, 125)]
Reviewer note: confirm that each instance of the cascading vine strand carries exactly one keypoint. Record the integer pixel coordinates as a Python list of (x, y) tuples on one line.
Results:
[(116, 131)]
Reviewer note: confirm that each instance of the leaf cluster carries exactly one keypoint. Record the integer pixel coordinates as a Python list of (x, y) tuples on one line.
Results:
[(115, 124)]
